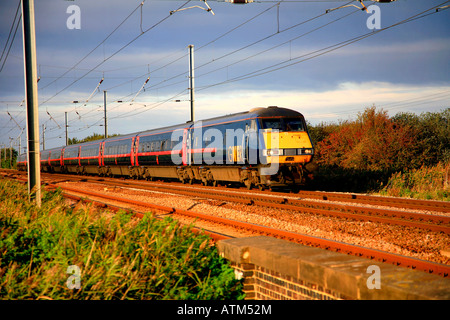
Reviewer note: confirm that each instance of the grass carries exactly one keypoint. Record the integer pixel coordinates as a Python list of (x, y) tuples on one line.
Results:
[(424, 183), (118, 257), (432, 183)]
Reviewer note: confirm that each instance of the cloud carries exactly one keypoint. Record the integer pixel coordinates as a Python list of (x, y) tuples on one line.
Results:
[(344, 100)]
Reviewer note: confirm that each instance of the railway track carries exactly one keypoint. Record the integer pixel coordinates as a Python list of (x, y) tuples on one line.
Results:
[(351, 198), (256, 198), (441, 206), (350, 210), (427, 266)]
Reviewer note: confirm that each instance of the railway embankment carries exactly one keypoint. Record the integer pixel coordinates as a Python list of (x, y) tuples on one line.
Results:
[(302, 261)]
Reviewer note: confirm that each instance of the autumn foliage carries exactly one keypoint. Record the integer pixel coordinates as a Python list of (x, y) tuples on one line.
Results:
[(372, 142), (362, 154)]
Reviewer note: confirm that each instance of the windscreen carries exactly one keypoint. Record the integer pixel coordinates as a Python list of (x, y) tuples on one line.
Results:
[(294, 125), (284, 124), (271, 124)]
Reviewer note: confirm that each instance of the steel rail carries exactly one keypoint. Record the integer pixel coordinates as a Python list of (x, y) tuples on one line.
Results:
[(403, 261), (138, 214), (435, 223), (431, 205)]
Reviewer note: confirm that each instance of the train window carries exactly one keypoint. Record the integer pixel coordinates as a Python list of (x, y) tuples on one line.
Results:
[(56, 155), (294, 125), (271, 124)]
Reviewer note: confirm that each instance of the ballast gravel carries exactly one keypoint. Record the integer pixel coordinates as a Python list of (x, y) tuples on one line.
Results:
[(407, 241)]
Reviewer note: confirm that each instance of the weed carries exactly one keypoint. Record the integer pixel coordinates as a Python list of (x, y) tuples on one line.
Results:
[(120, 257)]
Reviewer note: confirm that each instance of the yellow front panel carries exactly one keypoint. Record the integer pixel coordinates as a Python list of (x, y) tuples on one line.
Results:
[(288, 140)]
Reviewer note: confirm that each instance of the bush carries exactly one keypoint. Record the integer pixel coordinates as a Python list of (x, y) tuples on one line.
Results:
[(422, 183), (373, 142), (119, 257), (362, 155), (432, 136)]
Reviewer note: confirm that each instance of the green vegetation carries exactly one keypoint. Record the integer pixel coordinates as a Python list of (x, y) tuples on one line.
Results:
[(93, 137), (6, 157), (119, 257), (406, 155), (424, 183)]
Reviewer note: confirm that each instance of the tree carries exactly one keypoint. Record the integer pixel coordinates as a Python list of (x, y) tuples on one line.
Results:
[(93, 137), (432, 133), (5, 157), (372, 142)]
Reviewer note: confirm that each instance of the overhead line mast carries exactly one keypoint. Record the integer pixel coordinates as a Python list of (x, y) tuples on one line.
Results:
[(191, 79), (31, 97)]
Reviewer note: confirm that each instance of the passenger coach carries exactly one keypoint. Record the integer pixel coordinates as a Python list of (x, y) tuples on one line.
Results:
[(263, 147)]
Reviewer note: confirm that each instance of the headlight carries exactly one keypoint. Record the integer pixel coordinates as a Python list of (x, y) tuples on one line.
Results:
[(305, 151), (273, 152)]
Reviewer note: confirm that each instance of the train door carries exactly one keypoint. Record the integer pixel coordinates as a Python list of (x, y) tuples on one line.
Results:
[(61, 159), (250, 143), (134, 152), (245, 142), (186, 153), (101, 152)]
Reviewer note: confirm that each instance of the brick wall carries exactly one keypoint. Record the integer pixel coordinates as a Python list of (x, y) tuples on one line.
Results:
[(263, 284), (274, 269)]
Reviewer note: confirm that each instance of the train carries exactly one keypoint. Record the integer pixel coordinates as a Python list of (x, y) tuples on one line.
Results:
[(264, 147)]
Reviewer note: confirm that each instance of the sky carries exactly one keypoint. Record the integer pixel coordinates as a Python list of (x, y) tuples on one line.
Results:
[(328, 65)]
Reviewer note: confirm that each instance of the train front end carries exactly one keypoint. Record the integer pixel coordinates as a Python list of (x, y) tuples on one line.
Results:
[(286, 149)]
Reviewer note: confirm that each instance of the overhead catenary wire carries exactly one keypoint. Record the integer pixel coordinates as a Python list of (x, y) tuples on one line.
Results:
[(10, 30), (306, 56), (203, 46), (115, 53), (214, 40), (168, 82), (273, 47), (158, 85), (320, 52), (12, 41), (96, 47)]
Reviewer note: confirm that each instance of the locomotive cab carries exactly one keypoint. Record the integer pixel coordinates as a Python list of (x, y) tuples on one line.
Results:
[(286, 146)]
